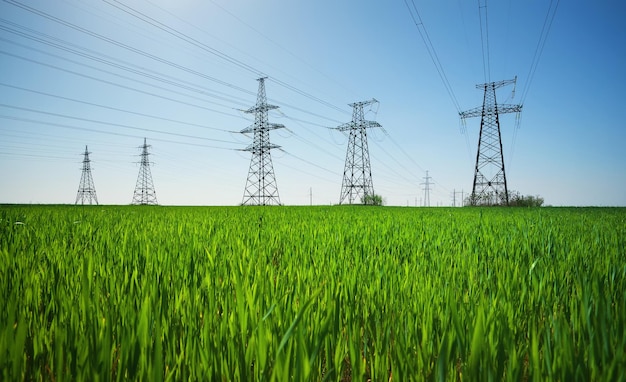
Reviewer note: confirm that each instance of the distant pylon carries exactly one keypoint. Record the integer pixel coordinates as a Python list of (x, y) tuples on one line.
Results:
[(426, 185), (490, 186), (86, 189), (144, 188), (357, 173), (261, 188)]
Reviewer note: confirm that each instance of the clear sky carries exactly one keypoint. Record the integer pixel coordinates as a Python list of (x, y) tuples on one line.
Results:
[(107, 74)]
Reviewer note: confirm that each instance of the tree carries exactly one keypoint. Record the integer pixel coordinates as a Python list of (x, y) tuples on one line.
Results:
[(486, 199), (515, 200), (372, 200), (518, 200)]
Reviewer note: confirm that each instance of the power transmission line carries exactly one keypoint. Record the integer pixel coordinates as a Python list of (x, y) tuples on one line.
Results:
[(172, 31), (310, 163), (111, 82), (545, 30), (306, 141), (122, 45), (484, 39), (35, 156), (127, 78), (134, 50), (55, 42), (307, 63), (160, 118), (157, 76), (142, 16), (421, 28), (113, 124), (48, 123)]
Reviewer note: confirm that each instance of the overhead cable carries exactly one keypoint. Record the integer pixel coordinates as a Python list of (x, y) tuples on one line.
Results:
[(421, 28), (545, 30)]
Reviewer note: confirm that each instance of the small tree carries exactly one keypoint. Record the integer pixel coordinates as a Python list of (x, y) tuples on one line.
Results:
[(372, 200), (518, 200), (515, 200), (486, 199)]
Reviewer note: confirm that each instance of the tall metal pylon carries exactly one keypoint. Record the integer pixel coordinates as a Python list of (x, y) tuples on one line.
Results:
[(144, 188), (357, 182), (490, 187), (261, 188), (86, 189)]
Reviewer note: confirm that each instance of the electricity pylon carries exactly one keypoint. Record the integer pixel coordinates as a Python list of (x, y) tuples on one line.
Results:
[(357, 173), (261, 188), (426, 185), (490, 186), (144, 188), (86, 189)]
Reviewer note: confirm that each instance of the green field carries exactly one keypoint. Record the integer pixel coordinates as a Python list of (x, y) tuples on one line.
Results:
[(312, 293)]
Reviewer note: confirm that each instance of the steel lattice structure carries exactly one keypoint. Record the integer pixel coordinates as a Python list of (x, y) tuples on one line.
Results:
[(490, 186), (261, 188), (144, 188), (86, 189), (357, 182)]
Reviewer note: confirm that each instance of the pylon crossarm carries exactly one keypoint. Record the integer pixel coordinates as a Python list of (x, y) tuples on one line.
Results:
[(268, 126), (255, 148), (274, 126), (475, 112), (260, 108), (363, 103), (249, 129), (506, 108), (361, 125), (496, 84), (345, 127), (491, 110)]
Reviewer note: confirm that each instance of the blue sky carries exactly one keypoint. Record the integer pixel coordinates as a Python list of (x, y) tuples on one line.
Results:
[(179, 73)]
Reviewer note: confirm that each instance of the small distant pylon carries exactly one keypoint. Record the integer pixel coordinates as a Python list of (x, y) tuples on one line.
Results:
[(144, 189), (357, 182), (86, 189), (426, 185), (490, 186), (261, 188)]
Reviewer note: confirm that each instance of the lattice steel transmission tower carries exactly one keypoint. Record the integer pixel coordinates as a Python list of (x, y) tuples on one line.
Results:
[(357, 174), (86, 189), (261, 188), (490, 186), (144, 188), (426, 185)]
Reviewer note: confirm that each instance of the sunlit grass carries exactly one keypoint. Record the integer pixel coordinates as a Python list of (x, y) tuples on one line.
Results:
[(312, 293)]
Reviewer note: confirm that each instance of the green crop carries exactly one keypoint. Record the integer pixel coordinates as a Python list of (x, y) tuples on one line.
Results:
[(312, 293)]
